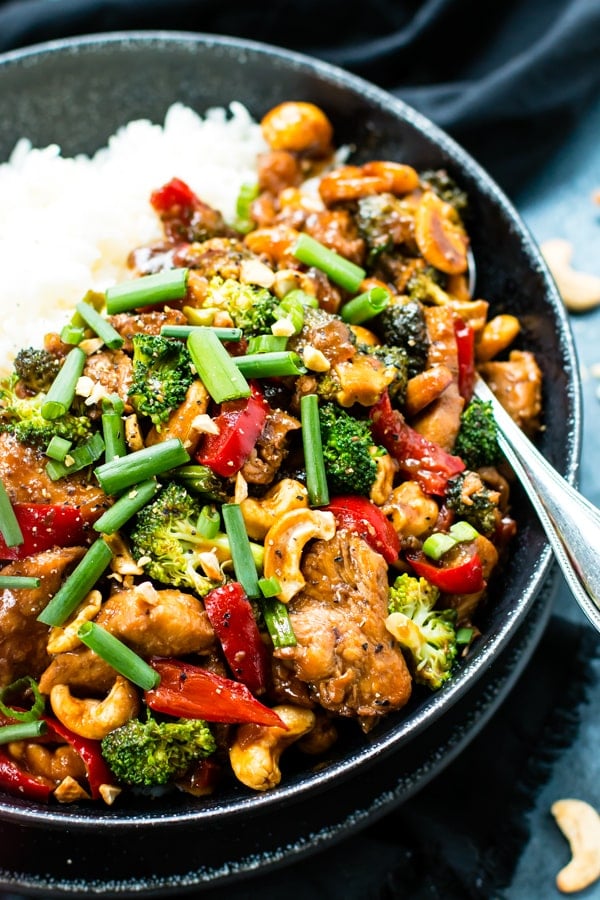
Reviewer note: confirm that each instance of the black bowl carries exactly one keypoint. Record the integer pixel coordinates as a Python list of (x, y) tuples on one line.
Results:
[(77, 93)]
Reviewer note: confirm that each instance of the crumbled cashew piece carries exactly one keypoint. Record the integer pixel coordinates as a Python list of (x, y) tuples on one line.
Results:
[(241, 488), (315, 359), (109, 793), (580, 824), (70, 790), (122, 562), (253, 271), (283, 328), (133, 434), (84, 386), (580, 291), (91, 345)]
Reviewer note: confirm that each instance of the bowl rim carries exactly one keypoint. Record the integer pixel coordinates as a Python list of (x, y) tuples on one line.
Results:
[(29, 813)]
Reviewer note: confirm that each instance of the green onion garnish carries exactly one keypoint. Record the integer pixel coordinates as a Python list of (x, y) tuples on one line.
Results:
[(316, 478), (437, 544), (270, 365), (9, 527), (22, 731), (464, 635), (21, 687), (19, 582), (126, 506), (79, 583), (105, 331), (293, 309), (241, 551), (269, 587), (118, 655), (243, 220), (365, 306), (119, 474), (62, 390), (342, 271), (184, 331), (296, 295), (463, 531), (209, 522), (77, 459), (217, 369), (266, 343), (72, 334), (278, 622), (147, 291), (58, 448), (113, 428)]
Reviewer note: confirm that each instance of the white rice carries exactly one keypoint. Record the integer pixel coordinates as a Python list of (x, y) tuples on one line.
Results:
[(68, 224)]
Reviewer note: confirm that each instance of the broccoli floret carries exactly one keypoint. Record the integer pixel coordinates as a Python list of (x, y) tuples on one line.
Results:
[(203, 481), (427, 634), (444, 186), (22, 417), (472, 501), (383, 220), (428, 286), (477, 439), (252, 308), (165, 534), (151, 753), (161, 376), (348, 451), (391, 357), (403, 325), (36, 369)]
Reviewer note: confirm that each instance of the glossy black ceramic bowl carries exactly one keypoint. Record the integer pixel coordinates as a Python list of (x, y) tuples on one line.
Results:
[(78, 92)]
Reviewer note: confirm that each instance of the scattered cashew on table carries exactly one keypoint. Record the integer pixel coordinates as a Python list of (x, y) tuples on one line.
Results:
[(580, 824)]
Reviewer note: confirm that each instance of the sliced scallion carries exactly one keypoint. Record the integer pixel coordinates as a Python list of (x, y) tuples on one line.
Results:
[(19, 582), (221, 377), (113, 428), (19, 688), (316, 478), (58, 448), (122, 473), (100, 326), (270, 365), (22, 731), (118, 655), (243, 220), (126, 506), (209, 522), (72, 334), (148, 290), (266, 343), (77, 459), (464, 635), (463, 531), (184, 331), (278, 622), (312, 253), (62, 390), (437, 544), (365, 306), (79, 583), (9, 526), (241, 551)]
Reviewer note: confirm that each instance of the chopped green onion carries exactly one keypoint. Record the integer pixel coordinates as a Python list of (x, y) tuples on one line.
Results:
[(269, 587), (148, 290), (9, 527), (464, 635), (19, 582), (62, 390), (113, 428), (122, 659), (243, 220), (79, 583), (99, 325), (266, 343), (316, 478), (296, 295), (342, 271), (270, 365), (241, 551), (79, 458), (119, 474), (437, 544), (209, 522), (200, 316), (22, 731), (72, 334), (217, 369), (58, 448), (20, 687), (463, 531), (278, 622), (126, 506), (184, 331), (291, 308), (365, 306)]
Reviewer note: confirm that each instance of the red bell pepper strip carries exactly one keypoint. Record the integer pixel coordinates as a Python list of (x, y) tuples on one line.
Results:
[(240, 423), (97, 770), (231, 616), (419, 458), (364, 518), (45, 526), (24, 784), (465, 344), (194, 693), (464, 578)]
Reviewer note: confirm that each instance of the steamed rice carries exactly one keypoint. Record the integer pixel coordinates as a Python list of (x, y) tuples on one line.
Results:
[(67, 224)]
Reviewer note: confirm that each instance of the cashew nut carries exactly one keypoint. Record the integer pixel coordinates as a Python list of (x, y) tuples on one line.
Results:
[(580, 291), (496, 336), (285, 541), (580, 824), (69, 790), (64, 638), (440, 235), (256, 750), (260, 515), (95, 718), (384, 478)]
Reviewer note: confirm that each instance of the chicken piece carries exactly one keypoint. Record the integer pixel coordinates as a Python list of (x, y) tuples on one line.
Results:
[(160, 623), (326, 333), (271, 448), (349, 661), (336, 229), (23, 472), (22, 638), (517, 383), (113, 369), (144, 323), (277, 170), (81, 669)]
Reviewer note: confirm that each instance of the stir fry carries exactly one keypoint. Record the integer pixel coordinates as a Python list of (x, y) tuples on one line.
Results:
[(247, 494)]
